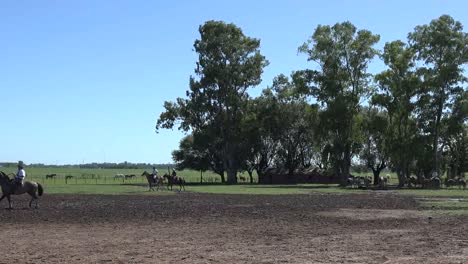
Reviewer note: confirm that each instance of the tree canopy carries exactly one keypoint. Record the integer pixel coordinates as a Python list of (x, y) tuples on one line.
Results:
[(410, 118)]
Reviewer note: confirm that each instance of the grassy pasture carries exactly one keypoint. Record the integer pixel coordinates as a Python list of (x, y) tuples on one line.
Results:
[(102, 181), (106, 176)]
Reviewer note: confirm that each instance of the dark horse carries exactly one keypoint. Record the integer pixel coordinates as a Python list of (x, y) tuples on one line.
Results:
[(173, 179), (50, 175), (32, 188), (153, 180)]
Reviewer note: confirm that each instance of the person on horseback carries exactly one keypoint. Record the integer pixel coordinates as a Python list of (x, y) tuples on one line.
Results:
[(174, 173), (155, 173), (19, 177)]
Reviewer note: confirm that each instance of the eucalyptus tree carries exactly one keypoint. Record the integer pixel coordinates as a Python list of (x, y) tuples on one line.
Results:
[(398, 87), (296, 138), (229, 63), (374, 149), (261, 129), (339, 83), (442, 46), (455, 139)]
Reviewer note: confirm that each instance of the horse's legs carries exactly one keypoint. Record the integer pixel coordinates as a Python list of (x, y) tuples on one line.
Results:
[(9, 202), (149, 186)]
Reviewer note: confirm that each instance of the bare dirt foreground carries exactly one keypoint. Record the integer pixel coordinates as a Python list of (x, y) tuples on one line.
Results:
[(207, 228)]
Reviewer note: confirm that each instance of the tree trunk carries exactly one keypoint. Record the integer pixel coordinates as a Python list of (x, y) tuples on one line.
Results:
[(261, 176), (250, 172), (376, 171), (376, 176), (345, 165), (401, 178), (231, 169), (231, 176), (436, 135), (223, 180)]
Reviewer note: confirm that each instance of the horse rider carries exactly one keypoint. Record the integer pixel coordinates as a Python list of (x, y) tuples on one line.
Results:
[(19, 177), (174, 174), (155, 172)]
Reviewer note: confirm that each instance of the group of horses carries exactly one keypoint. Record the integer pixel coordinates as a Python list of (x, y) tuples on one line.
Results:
[(158, 181), (10, 188), (435, 182)]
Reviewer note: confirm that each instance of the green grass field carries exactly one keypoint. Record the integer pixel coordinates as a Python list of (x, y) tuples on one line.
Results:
[(106, 176), (102, 181)]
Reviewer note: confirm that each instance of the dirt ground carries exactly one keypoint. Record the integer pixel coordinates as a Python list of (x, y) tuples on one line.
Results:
[(207, 228)]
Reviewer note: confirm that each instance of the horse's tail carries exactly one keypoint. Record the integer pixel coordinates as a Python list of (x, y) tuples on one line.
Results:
[(40, 190)]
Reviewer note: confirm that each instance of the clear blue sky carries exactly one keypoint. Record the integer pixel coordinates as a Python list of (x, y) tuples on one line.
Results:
[(84, 81)]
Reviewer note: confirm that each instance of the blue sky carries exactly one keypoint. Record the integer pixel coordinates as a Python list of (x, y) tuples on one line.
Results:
[(84, 81)]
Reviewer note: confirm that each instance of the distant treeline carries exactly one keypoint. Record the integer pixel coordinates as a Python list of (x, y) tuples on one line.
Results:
[(95, 165)]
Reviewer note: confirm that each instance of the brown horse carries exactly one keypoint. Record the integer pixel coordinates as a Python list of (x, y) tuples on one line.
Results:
[(32, 188), (153, 180), (171, 180)]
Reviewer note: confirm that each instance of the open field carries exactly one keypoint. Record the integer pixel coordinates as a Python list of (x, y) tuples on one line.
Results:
[(107, 176), (379, 227)]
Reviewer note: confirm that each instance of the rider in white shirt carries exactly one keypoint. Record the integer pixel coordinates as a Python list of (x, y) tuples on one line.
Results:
[(155, 173), (19, 177)]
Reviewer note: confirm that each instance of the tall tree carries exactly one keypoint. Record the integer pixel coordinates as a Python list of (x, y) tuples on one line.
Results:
[(339, 84), (455, 138), (398, 87), (374, 148), (261, 128), (443, 47), (296, 133), (228, 64)]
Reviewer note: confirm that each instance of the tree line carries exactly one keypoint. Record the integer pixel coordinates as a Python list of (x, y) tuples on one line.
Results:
[(410, 118)]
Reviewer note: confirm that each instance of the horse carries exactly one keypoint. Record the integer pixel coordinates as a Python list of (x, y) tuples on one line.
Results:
[(119, 176), (454, 182), (129, 176), (153, 180), (461, 183), (68, 177), (171, 180), (50, 176), (383, 182), (32, 188), (433, 182), (411, 181)]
